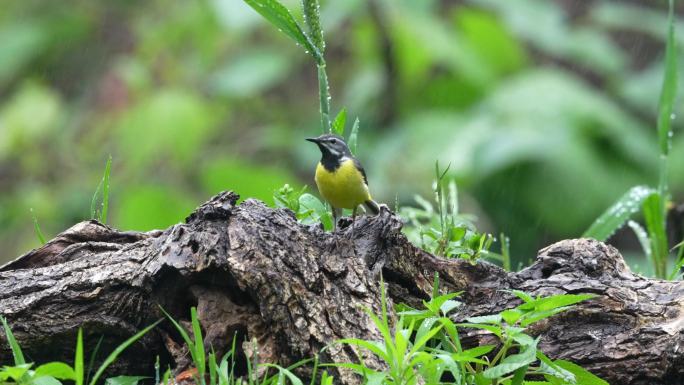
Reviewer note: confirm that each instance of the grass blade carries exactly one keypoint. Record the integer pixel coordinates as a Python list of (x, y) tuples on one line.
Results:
[(354, 136), (93, 356), (78, 360), (36, 228), (655, 224), (199, 344), (669, 89), (642, 236), (16, 349), (105, 191), (617, 214), (281, 18), (119, 349), (93, 202)]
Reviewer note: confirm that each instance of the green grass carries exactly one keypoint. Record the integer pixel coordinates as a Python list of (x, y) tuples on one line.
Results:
[(422, 346), (652, 201), (53, 373)]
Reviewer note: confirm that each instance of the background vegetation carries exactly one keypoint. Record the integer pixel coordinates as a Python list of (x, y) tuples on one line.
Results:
[(545, 109)]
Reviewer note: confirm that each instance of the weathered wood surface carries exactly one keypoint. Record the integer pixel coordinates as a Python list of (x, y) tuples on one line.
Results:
[(295, 289)]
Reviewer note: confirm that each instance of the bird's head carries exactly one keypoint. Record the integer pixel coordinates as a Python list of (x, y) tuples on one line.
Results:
[(331, 146)]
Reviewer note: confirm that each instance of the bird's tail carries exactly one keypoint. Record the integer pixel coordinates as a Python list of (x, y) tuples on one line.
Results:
[(372, 206)]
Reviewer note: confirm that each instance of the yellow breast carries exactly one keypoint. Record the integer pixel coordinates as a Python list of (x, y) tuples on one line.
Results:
[(344, 188)]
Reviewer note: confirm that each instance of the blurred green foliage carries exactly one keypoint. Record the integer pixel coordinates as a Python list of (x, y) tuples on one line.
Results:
[(544, 109)]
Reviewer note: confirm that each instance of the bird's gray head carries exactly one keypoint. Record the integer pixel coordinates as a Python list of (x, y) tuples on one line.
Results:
[(331, 146)]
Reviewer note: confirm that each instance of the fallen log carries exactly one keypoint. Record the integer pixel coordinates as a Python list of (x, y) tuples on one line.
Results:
[(291, 290)]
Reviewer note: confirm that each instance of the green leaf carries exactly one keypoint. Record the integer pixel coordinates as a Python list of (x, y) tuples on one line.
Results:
[(513, 362), (557, 301), (45, 380), (668, 91), (535, 316), (490, 328), (353, 136), (622, 210), (519, 375), (16, 372), (124, 380), (119, 349), (281, 18), (511, 316), (376, 347), (312, 211), (294, 380), (559, 374), (56, 369), (478, 350), (522, 295), (16, 349), (582, 376), (339, 122), (486, 319)]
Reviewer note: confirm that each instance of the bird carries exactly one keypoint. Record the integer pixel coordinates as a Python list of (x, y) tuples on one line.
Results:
[(340, 178)]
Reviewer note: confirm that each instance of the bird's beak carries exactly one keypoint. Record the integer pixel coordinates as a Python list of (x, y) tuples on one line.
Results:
[(315, 140)]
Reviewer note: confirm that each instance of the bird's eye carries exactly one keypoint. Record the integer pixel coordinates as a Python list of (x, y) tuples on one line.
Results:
[(332, 141)]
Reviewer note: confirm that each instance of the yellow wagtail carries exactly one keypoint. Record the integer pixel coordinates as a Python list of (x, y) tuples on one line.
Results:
[(340, 177)]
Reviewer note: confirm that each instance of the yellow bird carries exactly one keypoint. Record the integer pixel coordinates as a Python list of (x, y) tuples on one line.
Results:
[(340, 178)]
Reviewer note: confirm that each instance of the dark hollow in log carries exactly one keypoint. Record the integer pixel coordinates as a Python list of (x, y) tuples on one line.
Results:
[(291, 290)]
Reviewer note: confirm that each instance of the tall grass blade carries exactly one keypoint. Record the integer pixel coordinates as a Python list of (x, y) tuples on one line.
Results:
[(119, 349), (102, 188), (354, 136), (677, 270), (105, 191), (14, 346), (324, 98), (94, 201), (78, 360), (36, 228), (199, 344), (669, 89), (93, 356), (617, 214), (281, 18), (655, 224)]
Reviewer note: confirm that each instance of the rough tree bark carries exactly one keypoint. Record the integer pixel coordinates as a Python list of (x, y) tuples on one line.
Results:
[(293, 289)]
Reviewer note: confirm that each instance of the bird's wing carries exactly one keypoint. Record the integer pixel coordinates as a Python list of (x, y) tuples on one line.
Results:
[(358, 166)]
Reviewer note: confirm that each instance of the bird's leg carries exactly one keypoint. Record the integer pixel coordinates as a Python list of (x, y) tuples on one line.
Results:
[(353, 220), (335, 215)]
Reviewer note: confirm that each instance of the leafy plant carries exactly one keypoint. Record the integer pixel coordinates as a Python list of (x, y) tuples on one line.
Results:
[(653, 202), (307, 208), (51, 373), (424, 345), (222, 372), (440, 229)]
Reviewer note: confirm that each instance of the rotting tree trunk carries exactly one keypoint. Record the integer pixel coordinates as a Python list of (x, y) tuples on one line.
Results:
[(292, 290)]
